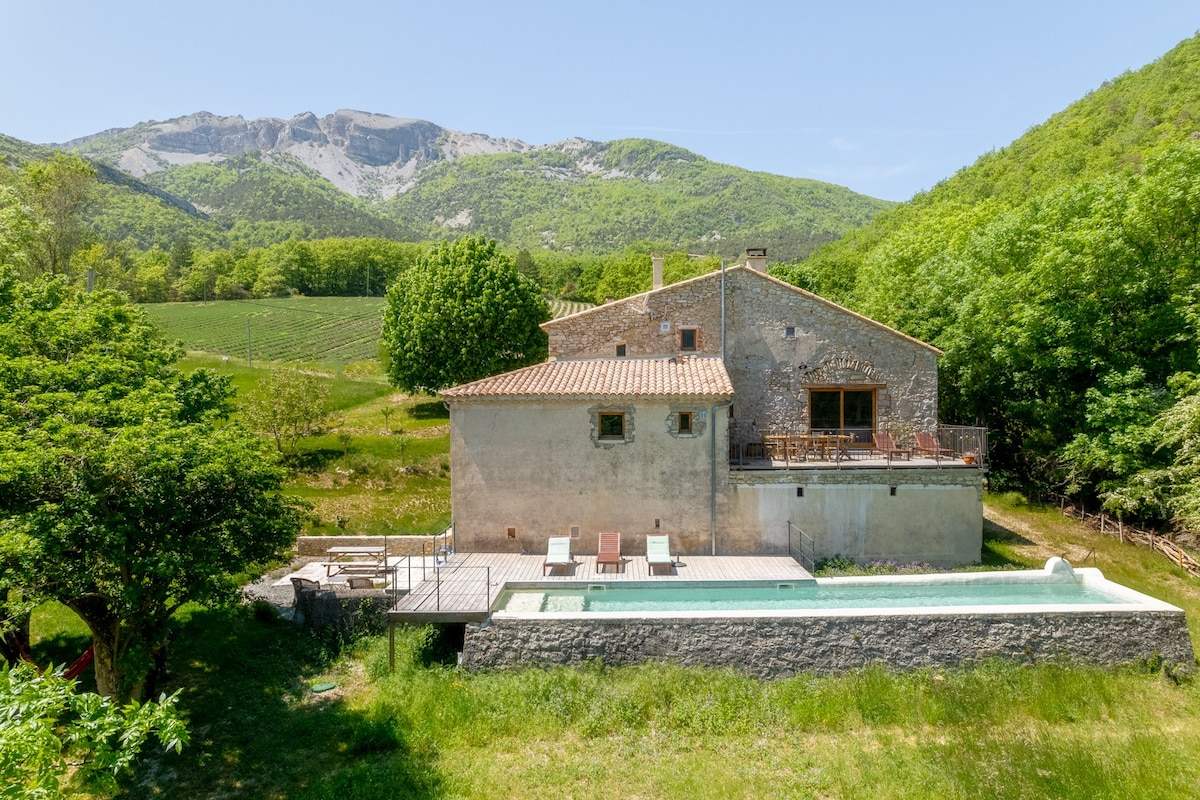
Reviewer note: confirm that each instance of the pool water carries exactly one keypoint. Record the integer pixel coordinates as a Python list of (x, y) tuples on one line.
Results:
[(800, 596)]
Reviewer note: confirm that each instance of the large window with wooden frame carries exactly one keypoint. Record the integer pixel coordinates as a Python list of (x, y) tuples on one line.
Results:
[(842, 410), (688, 340)]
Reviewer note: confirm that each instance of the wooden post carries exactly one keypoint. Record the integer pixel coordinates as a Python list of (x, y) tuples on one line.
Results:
[(1121, 530)]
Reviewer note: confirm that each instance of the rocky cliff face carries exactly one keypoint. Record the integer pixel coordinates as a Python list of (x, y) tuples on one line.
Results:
[(368, 155)]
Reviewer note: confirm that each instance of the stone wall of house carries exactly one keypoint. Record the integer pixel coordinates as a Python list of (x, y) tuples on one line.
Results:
[(525, 470), (778, 647), (780, 343), (925, 515)]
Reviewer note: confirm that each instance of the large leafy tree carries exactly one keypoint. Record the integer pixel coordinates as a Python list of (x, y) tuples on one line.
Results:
[(464, 312), (122, 494), (50, 197)]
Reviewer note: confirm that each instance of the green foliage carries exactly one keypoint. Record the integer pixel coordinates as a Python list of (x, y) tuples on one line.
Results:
[(464, 313), (285, 405), (51, 195), (121, 494), (47, 728), (264, 201), (607, 196), (1058, 276)]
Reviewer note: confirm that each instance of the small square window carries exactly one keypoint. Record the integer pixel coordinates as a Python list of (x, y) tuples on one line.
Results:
[(620, 351), (789, 333), (685, 422), (687, 339), (612, 426)]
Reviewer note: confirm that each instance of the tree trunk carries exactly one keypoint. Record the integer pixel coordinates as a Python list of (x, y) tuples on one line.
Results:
[(15, 637), (121, 653)]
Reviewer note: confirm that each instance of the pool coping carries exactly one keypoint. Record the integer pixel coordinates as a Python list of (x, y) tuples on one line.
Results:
[(1056, 571)]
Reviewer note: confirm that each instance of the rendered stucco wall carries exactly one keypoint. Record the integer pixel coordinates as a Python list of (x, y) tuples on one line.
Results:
[(935, 516), (538, 466)]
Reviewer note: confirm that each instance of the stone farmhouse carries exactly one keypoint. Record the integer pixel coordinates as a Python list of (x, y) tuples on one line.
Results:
[(734, 412)]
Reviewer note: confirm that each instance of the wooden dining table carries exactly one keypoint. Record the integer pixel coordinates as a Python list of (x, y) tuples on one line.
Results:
[(824, 446)]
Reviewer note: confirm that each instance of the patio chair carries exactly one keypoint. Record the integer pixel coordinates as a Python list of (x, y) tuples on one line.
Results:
[(658, 553), (558, 553), (885, 444), (927, 445), (609, 551), (301, 585)]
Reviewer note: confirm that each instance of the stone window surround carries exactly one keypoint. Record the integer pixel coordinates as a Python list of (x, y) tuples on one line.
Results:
[(699, 423), (594, 414)]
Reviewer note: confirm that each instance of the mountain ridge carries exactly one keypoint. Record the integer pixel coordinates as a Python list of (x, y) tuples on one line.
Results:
[(312, 176), (375, 156)]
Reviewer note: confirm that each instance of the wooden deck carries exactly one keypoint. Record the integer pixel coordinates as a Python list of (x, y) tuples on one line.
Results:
[(455, 592)]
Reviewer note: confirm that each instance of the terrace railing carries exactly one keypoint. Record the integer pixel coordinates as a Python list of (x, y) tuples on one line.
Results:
[(802, 547), (845, 448)]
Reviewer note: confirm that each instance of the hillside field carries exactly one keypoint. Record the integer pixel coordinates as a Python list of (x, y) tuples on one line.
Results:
[(334, 331)]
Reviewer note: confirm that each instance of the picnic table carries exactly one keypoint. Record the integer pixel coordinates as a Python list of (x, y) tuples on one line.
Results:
[(355, 560)]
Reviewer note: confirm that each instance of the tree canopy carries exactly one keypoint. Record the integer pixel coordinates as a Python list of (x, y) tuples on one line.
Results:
[(463, 313), (123, 494)]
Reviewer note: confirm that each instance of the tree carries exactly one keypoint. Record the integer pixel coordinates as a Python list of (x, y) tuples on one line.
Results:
[(286, 404), (48, 730), (56, 192), (122, 494), (463, 313)]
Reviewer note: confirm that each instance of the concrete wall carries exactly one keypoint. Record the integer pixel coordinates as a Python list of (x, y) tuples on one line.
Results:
[(539, 467), (935, 515), (777, 647)]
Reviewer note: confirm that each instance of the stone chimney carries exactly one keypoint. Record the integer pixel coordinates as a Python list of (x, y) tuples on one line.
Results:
[(756, 258), (656, 261)]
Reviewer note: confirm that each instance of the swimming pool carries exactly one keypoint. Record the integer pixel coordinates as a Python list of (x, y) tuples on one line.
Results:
[(777, 628), (1057, 585)]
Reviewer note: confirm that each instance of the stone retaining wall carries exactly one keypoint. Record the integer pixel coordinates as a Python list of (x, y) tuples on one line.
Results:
[(396, 545), (343, 609), (777, 647)]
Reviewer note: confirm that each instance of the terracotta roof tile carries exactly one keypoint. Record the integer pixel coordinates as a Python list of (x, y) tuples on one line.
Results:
[(606, 377)]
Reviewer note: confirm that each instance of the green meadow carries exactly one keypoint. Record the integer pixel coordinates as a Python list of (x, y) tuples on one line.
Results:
[(431, 730)]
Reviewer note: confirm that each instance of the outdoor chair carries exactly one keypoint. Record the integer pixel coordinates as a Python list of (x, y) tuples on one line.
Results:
[(927, 445), (658, 553), (885, 444), (558, 553), (609, 551), (304, 584)]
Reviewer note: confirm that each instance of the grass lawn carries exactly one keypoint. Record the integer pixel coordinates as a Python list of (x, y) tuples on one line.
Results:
[(368, 472), (429, 730)]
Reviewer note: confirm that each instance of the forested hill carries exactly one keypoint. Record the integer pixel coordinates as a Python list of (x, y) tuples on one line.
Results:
[(357, 174), (1059, 276)]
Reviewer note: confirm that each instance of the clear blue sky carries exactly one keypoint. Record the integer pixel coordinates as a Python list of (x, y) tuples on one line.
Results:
[(887, 98)]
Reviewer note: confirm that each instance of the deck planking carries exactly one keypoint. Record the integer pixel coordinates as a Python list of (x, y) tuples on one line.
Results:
[(455, 591)]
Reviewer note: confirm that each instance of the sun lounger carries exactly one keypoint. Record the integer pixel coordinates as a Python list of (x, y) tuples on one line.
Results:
[(927, 445), (558, 553), (886, 445), (609, 551), (658, 553)]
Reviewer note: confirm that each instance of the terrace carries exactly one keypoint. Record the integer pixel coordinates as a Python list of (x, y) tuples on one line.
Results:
[(947, 447)]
